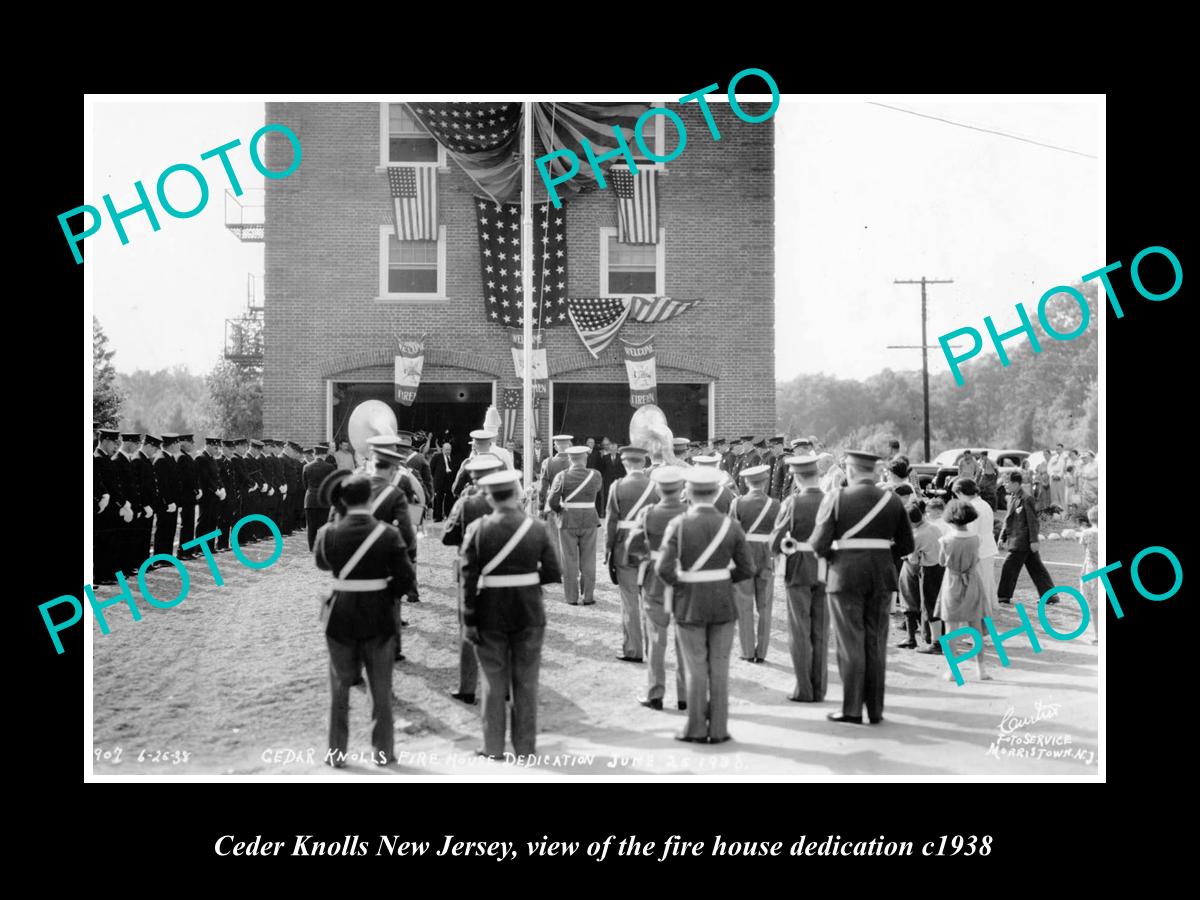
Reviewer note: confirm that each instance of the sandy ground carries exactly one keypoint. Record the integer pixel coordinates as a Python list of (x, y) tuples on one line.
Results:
[(236, 677)]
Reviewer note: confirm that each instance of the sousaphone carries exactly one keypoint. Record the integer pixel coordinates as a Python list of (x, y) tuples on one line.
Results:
[(648, 428)]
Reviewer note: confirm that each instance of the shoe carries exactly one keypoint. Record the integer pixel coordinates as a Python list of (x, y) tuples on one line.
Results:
[(571, 602), (932, 648), (720, 740), (358, 682), (593, 602), (691, 740), (1007, 601), (486, 755), (403, 624), (907, 645), (681, 706), (1051, 601), (748, 659), (335, 762), (842, 717), (634, 659), (400, 657), (875, 720), (651, 704), (760, 659), (800, 699), (384, 759), (468, 699)]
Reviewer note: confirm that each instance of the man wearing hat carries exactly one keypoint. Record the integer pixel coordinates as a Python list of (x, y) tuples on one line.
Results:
[(208, 483), (471, 505), (131, 542), (388, 504), (742, 455), (755, 511), (230, 510), (482, 441), (166, 482), (147, 495), (506, 558), (679, 447), (858, 529), (776, 451), (645, 548), (371, 570), (808, 615), (258, 492), (832, 476), (573, 497), (626, 498), (442, 471), (315, 512), (726, 490), (722, 449), (109, 509), (189, 494), (277, 479), (416, 463), (550, 469), (703, 554)]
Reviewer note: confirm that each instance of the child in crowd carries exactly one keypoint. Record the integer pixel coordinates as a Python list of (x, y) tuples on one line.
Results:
[(914, 578), (962, 600), (935, 509), (1090, 538)]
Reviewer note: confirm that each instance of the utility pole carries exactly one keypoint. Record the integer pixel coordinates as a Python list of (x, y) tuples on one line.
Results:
[(924, 343)]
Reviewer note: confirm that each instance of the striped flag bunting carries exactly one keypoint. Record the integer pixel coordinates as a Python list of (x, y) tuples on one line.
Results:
[(414, 202), (598, 320), (637, 205), (658, 309)]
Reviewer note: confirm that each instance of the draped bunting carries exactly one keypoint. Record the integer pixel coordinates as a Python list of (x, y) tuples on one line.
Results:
[(640, 364)]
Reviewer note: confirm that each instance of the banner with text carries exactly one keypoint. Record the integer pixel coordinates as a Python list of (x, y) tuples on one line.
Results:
[(409, 365), (541, 375), (639, 362)]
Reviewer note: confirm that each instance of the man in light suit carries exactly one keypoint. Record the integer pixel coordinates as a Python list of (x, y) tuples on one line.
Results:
[(626, 498), (573, 498)]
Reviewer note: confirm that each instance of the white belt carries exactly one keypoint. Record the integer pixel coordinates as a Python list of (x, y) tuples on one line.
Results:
[(566, 505), (360, 584), (863, 544), (758, 538), (621, 525), (703, 575), (656, 554), (525, 579)]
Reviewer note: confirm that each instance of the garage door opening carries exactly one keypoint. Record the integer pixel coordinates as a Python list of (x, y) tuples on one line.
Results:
[(601, 409), (447, 410)]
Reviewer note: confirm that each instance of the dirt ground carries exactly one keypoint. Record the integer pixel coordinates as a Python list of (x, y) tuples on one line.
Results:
[(236, 678)]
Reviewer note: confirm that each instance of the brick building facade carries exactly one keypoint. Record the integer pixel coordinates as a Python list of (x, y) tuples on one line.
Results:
[(331, 265)]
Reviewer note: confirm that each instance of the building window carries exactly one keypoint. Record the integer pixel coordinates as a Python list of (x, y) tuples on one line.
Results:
[(411, 270), (653, 133), (404, 141), (629, 269)]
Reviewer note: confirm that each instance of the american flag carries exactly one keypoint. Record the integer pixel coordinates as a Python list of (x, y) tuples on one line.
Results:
[(510, 402), (658, 309), (500, 254), (637, 205), (414, 202), (470, 127), (598, 320)]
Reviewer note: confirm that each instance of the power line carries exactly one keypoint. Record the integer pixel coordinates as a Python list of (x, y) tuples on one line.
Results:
[(1015, 137)]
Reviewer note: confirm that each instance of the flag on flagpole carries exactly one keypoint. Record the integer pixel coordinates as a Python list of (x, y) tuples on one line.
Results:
[(637, 205), (414, 202), (658, 309), (598, 320)]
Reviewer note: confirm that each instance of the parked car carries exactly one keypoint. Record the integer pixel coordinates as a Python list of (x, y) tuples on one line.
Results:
[(1006, 461)]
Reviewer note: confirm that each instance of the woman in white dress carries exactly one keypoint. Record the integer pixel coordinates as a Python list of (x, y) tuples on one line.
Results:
[(967, 490)]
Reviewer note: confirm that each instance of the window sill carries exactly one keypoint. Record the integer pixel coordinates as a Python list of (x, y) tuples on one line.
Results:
[(412, 298), (441, 167)]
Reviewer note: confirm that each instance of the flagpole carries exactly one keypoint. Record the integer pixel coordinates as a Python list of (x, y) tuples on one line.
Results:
[(527, 298)]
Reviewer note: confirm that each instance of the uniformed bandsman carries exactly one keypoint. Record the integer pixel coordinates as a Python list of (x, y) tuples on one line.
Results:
[(416, 463), (109, 511), (755, 511), (703, 554), (471, 505), (727, 490), (371, 570), (808, 614), (506, 558), (211, 487), (189, 494), (550, 469), (722, 449), (626, 498), (482, 441), (681, 447), (645, 548), (573, 498), (131, 544), (258, 493), (293, 465), (388, 504), (776, 451), (166, 482), (857, 529)]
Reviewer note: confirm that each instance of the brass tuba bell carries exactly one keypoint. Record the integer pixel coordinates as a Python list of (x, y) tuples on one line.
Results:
[(648, 429), (369, 418)]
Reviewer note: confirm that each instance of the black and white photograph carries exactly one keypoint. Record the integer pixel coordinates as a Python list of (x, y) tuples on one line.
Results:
[(555, 437)]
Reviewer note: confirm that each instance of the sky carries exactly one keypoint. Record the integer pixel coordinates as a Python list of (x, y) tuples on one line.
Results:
[(863, 195)]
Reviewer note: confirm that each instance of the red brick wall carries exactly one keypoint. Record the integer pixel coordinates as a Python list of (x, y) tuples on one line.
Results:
[(716, 202)]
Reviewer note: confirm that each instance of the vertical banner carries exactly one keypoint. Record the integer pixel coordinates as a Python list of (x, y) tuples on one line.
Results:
[(510, 408), (639, 363), (409, 365), (541, 375)]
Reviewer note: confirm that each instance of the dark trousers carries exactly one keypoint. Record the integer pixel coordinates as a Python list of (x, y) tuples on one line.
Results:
[(910, 593), (315, 516), (931, 584), (105, 544), (187, 528), (164, 532), (861, 623), (141, 542), (230, 511), (808, 634), (345, 660), (442, 501), (209, 520), (504, 657), (1032, 561)]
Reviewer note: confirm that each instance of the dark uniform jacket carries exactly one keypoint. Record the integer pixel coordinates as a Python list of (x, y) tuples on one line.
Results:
[(389, 504), (550, 470), (105, 476), (360, 615), (647, 539), (463, 478), (185, 473), (419, 466), (866, 572), (208, 479), (127, 480), (1020, 522), (685, 539), (564, 485), (745, 511), (143, 468), (506, 609), (312, 476), (797, 515), (470, 506), (627, 497), (255, 472)]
